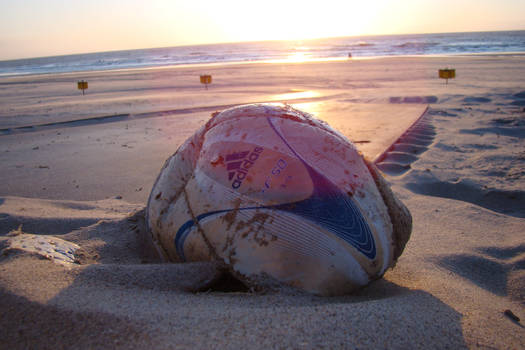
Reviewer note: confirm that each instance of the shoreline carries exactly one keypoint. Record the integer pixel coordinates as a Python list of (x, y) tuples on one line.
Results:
[(275, 61)]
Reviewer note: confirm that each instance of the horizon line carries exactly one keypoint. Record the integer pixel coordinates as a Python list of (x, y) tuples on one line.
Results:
[(251, 41)]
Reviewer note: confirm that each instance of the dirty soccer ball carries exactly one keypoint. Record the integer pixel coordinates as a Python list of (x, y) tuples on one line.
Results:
[(272, 192)]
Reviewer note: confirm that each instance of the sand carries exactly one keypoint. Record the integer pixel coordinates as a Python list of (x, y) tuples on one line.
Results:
[(77, 170)]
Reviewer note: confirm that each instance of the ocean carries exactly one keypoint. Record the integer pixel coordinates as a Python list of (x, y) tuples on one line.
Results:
[(296, 50)]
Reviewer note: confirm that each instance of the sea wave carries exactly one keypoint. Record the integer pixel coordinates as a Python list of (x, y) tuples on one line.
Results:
[(416, 45), (369, 46)]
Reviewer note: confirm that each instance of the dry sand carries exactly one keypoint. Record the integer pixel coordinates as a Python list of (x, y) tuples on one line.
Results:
[(79, 169)]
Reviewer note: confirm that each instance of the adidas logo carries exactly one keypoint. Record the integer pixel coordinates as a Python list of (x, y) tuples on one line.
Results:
[(239, 163)]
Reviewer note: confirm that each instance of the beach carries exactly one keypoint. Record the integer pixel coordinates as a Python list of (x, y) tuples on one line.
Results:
[(80, 168)]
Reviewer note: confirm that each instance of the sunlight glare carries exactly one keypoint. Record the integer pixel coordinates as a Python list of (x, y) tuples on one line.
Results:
[(297, 57), (295, 95), (314, 108), (288, 20)]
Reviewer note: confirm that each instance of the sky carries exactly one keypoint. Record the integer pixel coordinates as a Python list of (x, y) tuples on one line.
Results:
[(36, 28)]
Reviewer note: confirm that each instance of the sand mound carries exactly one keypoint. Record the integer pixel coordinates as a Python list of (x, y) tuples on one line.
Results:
[(506, 202), (41, 216), (518, 99), (414, 99), (472, 161), (520, 94), (515, 121), (408, 148), (476, 100), (442, 113), (497, 130), (499, 270)]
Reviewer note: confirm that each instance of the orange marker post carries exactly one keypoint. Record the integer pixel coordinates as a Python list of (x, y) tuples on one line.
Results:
[(82, 85), (447, 74), (206, 79)]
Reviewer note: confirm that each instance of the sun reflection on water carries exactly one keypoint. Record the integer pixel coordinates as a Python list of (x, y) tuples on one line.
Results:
[(298, 57)]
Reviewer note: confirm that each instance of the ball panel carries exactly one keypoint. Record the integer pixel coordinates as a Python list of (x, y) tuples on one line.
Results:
[(176, 214), (258, 111), (174, 175), (195, 248), (283, 246), (166, 206), (262, 174), (342, 164)]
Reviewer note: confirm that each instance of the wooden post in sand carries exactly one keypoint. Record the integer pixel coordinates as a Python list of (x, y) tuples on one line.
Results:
[(82, 85), (206, 79)]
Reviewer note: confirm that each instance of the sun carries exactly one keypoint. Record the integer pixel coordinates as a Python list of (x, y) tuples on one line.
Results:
[(284, 20)]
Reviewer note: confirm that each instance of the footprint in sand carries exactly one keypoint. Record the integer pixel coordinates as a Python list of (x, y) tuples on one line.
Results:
[(499, 270), (508, 202), (518, 99), (476, 100), (397, 160)]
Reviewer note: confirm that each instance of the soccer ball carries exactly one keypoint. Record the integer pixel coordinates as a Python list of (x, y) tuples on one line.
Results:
[(270, 191)]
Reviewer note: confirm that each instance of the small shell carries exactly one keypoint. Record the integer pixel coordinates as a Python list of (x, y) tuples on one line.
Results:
[(271, 191), (49, 247)]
